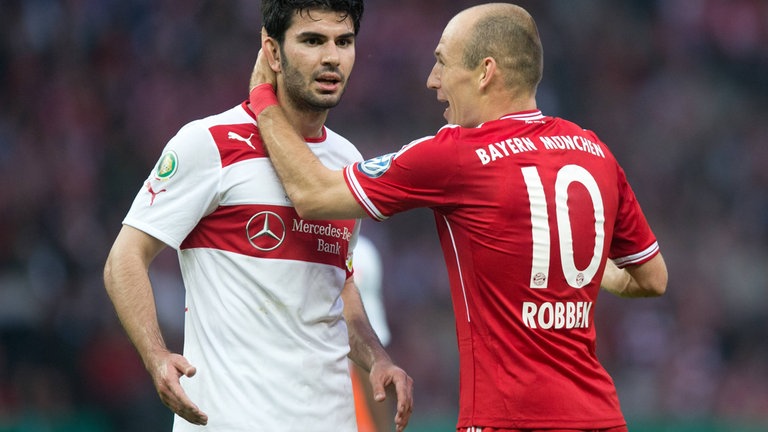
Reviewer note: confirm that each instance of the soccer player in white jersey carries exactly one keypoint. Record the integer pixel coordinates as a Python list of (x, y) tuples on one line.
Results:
[(533, 212), (272, 312)]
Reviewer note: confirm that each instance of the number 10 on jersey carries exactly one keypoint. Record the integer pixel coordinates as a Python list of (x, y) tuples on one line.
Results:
[(542, 237)]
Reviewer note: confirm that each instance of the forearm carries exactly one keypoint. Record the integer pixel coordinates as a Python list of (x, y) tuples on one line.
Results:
[(130, 291), (365, 346), (316, 191), (615, 280), (127, 283), (645, 280), (302, 174)]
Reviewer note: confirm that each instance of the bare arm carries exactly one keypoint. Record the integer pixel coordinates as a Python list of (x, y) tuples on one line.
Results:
[(644, 280), (127, 282), (367, 352), (316, 191)]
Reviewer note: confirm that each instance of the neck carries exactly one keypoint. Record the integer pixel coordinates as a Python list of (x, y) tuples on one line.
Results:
[(309, 124), (500, 108)]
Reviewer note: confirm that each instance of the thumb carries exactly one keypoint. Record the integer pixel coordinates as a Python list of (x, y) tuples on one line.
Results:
[(186, 368), (190, 371), (377, 388)]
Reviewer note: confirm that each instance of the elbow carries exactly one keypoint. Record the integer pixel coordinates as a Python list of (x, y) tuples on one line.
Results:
[(660, 286), (306, 205), (655, 287), (650, 278), (107, 272), (659, 282)]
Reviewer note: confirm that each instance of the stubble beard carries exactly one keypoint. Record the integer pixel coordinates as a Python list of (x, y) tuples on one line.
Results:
[(300, 95)]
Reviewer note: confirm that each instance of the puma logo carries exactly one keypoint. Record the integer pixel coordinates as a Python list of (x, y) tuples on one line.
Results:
[(153, 193), (236, 136)]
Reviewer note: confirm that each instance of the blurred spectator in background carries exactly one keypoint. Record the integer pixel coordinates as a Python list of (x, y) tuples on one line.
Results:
[(372, 415), (91, 89)]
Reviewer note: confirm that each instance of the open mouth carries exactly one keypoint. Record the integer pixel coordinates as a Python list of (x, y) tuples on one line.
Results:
[(328, 81)]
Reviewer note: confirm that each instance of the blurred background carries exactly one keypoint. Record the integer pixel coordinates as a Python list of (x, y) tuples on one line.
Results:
[(91, 90)]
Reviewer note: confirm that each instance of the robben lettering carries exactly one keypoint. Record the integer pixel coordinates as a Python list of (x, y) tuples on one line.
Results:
[(556, 315)]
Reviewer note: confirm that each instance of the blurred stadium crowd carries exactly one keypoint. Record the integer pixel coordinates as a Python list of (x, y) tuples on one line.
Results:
[(90, 91)]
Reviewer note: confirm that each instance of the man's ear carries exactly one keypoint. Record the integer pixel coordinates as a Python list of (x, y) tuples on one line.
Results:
[(488, 70), (271, 50)]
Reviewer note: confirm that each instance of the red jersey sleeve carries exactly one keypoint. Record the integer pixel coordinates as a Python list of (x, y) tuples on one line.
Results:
[(633, 241), (413, 177)]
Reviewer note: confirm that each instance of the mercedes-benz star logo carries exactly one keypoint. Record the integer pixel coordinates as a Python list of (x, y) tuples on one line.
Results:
[(265, 231)]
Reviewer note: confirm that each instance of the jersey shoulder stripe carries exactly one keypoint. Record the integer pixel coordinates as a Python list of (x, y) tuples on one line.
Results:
[(359, 193), (639, 257)]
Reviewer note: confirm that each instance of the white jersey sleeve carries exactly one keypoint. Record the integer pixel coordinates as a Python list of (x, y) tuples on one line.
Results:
[(189, 163)]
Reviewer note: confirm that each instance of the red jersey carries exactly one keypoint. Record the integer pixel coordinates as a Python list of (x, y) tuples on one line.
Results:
[(527, 208)]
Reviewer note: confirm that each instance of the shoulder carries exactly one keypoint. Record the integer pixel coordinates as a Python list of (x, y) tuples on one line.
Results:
[(201, 128), (204, 142), (342, 146)]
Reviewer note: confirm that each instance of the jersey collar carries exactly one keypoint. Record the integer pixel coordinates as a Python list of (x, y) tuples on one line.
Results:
[(524, 115), (319, 139)]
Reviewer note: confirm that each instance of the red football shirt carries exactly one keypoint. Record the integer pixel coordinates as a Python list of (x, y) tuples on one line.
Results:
[(527, 208)]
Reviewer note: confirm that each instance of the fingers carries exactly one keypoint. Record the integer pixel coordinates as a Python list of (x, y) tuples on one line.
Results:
[(404, 389), (378, 390), (167, 383), (262, 72), (392, 375)]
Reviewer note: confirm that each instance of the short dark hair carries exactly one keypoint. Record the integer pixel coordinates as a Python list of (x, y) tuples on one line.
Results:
[(278, 14), (514, 43)]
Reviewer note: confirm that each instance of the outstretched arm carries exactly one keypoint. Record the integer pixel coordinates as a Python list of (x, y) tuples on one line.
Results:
[(643, 280), (316, 191), (366, 351), (127, 282)]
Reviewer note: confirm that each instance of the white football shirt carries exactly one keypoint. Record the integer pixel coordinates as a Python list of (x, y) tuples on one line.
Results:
[(264, 323)]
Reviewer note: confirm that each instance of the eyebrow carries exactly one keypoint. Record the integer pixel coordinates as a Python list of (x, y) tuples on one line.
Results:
[(311, 34)]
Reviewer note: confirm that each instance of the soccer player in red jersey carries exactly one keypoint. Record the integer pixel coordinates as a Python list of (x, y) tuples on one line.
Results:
[(533, 212)]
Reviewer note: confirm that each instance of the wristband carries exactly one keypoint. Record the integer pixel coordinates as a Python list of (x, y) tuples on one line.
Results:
[(261, 97)]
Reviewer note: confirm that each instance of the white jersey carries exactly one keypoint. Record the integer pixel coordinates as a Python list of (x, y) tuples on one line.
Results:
[(264, 323)]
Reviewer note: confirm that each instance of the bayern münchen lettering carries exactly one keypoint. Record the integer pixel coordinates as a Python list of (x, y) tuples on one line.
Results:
[(575, 142), (505, 148), (513, 146)]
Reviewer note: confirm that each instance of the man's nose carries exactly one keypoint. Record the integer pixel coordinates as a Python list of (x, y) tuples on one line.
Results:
[(331, 54), (433, 80)]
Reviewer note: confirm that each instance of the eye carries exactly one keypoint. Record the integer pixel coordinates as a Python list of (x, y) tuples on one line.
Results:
[(313, 41), (344, 42)]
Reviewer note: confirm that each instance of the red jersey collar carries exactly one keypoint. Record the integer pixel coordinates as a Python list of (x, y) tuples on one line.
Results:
[(524, 115)]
